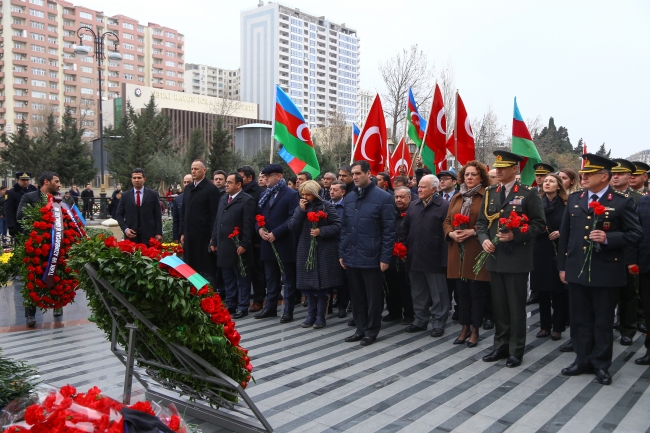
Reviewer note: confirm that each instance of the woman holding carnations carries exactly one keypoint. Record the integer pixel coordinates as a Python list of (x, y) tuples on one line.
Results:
[(474, 296), (317, 227), (545, 277)]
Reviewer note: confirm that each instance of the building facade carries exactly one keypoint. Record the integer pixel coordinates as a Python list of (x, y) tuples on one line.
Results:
[(39, 73), (364, 100), (212, 81), (643, 156), (314, 60)]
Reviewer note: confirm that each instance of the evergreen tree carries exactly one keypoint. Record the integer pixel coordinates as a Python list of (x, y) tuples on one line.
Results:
[(46, 149), (602, 151), (18, 152), (195, 148), (220, 154), (74, 159), (580, 147)]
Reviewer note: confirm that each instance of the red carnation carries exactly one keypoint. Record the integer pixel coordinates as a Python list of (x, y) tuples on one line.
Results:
[(143, 406), (261, 222), (68, 391), (175, 422)]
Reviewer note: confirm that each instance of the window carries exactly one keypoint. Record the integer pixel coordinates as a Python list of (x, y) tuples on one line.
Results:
[(53, 63), (20, 92), (51, 17), (37, 36), (87, 59), (19, 21), (140, 39), (38, 48), (128, 46), (54, 108), (37, 2), (170, 44), (170, 54), (38, 106), (157, 41), (37, 71), (87, 80), (87, 122), (129, 77), (87, 70), (19, 45), (68, 23), (19, 80), (140, 49), (39, 60), (71, 100), (86, 91), (66, 11), (140, 79), (113, 74), (170, 63), (128, 66), (86, 15), (52, 40), (157, 31), (52, 29), (67, 77), (127, 36), (39, 95), (37, 13), (54, 74), (20, 57), (128, 56), (171, 73), (86, 101), (114, 64), (170, 35), (127, 26), (140, 68), (18, 9), (113, 84), (170, 83), (37, 25), (70, 89), (141, 29), (54, 97)]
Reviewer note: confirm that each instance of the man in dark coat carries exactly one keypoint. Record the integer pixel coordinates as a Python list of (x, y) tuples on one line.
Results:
[(593, 287), (87, 195), (177, 211), (337, 195), (21, 187), (398, 287), (277, 205), (236, 210), (138, 213), (200, 206), (49, 184), (641, 265), (511, 260), (252, 188), (366, 249), (345, 176), (426, 257)]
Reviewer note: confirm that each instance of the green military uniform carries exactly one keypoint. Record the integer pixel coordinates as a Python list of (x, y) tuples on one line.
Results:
[(510, 264), (641, 169)]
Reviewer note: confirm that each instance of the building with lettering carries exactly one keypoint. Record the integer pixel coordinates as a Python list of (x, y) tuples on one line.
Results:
[(314, 60), (212, 81), (39, 73)]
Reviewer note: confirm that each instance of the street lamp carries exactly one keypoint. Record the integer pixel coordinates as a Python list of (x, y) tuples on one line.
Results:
[(84, 50)]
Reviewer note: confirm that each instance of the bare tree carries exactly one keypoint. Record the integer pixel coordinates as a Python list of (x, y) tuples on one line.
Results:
[(447, 85), (409, 68), (534, 125), (489, 135), (334, 138)]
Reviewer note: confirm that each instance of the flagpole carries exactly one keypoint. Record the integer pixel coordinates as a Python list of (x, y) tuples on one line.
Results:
[(354, 149), (275, 98), (405, 127), (456, 135)]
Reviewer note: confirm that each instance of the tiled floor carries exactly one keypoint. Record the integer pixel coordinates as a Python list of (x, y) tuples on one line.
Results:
[(311, 381)]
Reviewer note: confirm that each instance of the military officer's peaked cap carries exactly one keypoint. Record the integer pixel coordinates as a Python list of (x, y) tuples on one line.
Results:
[(623, 166), (543, 168), (505, 159), (594, 163), (641, 167)]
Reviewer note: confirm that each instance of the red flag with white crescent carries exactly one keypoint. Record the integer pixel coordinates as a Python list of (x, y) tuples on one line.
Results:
[(396, 160), (372, 142), (466, 148), (436, 128)]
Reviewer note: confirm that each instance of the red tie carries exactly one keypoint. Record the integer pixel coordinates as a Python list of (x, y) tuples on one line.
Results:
[(229, 199), (137, 198)]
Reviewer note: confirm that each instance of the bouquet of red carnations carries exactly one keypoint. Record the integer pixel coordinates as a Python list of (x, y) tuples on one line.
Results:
[(235, 237), (261, 222), (313, 217), (460, 222), (514, 221)]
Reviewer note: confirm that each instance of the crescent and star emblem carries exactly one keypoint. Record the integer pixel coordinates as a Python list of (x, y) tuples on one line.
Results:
[(299, 132), (441, 115), (369, 132), (468, 128)]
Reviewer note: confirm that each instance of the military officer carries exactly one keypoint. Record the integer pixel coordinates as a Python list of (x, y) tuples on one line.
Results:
[(511, 259), (593, 263), (639, 177), (14, 195)]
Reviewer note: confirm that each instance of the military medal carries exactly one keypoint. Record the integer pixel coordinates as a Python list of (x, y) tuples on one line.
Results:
[(606, 225)]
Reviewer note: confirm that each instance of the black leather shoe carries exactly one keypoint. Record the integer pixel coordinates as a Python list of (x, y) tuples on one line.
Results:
[(603, 377), (437, 332), (30, 321), (354, 337), (495, 355), (286, 318), (232, 311), (543, 334), (488, 324), (266, 313), (567, 347), (239, 314), (352, 323), (406, 321), (645, 360), (626, 341), (459, 341), (513, 361), (642, 328), (389, 318), (413, 328), (367, 341), (577, 370), (342, 313)]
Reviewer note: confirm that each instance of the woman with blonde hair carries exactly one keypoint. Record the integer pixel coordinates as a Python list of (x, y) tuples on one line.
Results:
[(317, 274), (545, 277), (570, 179)]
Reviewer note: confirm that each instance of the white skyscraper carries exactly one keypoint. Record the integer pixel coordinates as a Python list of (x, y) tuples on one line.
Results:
[(313, 59)]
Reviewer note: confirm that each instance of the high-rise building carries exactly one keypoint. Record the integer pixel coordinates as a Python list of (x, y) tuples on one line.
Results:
[(314, 60), (212, 81), (40, 73), (643, 156), (364, 100)]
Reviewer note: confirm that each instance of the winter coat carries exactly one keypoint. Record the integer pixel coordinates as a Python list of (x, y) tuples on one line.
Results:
[(277, 217), (472, 246), (14, 195), (240, 212), (327, 272), (368, 228), (426, 250), (545, 276)]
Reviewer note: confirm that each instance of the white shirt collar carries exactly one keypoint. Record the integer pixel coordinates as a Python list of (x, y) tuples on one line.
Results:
[(599, 193), (232, 197)]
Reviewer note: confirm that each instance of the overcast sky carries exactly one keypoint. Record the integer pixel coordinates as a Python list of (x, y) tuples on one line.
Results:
[(586, 63)]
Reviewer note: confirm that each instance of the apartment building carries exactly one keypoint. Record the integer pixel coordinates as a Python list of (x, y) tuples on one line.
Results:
[(212, 81), (364, 100), (39, 73), (314, 60)]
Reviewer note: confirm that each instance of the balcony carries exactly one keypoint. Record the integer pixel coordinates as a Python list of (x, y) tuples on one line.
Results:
[(72, 39), (21, 86), (21, 62)]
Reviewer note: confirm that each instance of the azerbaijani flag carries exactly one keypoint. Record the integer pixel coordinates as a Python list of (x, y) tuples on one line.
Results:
[(355, 133), (522, 145), (291, 130), (416, 124), (185, 270)]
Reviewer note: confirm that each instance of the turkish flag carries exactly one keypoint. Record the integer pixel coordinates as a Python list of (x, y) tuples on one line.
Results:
[(437, 127), (397, 159), (466, 149), (372, 144)]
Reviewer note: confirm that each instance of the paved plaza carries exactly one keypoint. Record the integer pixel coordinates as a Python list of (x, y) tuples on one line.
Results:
[(311, 381)]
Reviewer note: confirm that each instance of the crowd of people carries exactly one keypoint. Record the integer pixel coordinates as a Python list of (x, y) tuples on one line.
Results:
[(469, 244)]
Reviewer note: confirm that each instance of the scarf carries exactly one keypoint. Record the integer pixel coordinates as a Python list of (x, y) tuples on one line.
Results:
[(549, 205), (270, 192), (467, 194)]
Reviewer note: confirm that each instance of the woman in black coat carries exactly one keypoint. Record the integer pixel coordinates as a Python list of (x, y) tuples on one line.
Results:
[(318, 281), (545, 278)]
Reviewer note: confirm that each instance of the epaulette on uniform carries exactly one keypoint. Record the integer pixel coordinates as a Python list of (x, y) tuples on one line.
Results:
[(528, 187), (577, 191), (491, 187), (621, 193)]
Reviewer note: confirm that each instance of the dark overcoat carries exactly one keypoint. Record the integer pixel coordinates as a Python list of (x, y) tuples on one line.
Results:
[(327, 272), (641, 255), (200, 206), (277, 218), (545, 276), (620, 222), (240, 212), (423, 236), (149, 224), (11, 205)]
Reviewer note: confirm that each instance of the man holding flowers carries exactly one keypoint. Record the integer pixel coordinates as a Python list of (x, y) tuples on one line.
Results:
[(598, 226), (511, 216)]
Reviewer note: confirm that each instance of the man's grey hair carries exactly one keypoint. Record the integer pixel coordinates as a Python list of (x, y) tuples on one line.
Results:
[(330, 174), (435, 182), (403, 188)]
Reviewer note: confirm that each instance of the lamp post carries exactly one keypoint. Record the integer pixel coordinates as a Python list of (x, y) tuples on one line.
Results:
[(84, 50)]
